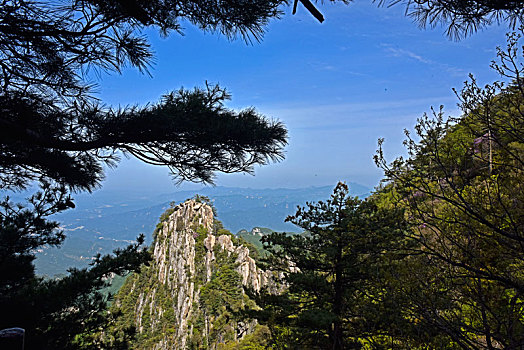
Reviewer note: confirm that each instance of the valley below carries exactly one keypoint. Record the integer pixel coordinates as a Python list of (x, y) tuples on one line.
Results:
[(104, 221)]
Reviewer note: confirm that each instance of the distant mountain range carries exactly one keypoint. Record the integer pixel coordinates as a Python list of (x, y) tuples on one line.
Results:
[(106, 220)]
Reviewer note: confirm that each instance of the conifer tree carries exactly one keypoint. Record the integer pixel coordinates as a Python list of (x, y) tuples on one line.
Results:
[(332, 273), (53, 131), (52, 127), (462, 17)]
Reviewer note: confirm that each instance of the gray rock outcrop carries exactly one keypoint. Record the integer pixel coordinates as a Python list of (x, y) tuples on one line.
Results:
[(187, 254)]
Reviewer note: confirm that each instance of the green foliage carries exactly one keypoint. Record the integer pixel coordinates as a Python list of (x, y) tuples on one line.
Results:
[(52, 130), (22, 230), (223, 291), (223, 231), (216, 311), (124, 308), (258, 340), (165, 215), (461, 188), (56, 313), (333, 273), (67, 313), (221, 302), (200, 252)]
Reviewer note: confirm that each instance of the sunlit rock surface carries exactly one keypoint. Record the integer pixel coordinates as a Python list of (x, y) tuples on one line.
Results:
[(164, 300)]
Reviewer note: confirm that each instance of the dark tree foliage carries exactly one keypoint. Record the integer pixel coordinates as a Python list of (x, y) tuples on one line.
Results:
[(192, 133), (333, 273), (22, 230), (462, 17), (54, 132), (52, 128), (462, 190), (61, 313)]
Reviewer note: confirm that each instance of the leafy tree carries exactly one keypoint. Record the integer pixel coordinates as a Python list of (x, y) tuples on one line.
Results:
[(462, 190), (333, 298), (258, 340), (460, 17)]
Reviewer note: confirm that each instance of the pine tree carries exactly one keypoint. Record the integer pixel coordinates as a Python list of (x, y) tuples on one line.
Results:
[(51, 127), (332, 273), (462, 17), (53, 131)]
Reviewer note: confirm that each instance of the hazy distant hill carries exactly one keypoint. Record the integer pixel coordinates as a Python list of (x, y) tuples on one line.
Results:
[(106, 220)]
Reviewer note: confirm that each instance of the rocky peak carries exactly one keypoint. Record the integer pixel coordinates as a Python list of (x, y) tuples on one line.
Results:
[(177, 301)]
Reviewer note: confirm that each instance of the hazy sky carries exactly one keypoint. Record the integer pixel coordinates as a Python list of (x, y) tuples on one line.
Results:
[(365, 73)]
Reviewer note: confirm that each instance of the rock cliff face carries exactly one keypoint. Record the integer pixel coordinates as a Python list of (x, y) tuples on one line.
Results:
[(192, 292)]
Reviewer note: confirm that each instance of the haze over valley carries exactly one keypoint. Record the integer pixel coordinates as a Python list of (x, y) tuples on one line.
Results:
[(106, 220)]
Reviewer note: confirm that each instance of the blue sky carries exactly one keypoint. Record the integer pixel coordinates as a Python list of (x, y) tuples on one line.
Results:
[(365, 73)]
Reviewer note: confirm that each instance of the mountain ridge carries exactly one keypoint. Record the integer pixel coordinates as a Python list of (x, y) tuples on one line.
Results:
[(109, 221)]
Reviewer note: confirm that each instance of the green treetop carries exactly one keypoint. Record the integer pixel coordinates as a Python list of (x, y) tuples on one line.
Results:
[(331, 271)]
